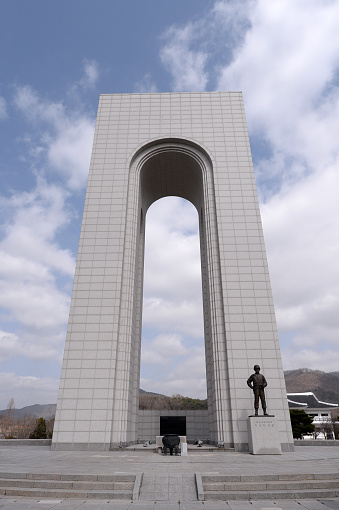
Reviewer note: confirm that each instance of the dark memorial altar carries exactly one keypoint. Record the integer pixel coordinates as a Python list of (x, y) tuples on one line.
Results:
[(171, 442)]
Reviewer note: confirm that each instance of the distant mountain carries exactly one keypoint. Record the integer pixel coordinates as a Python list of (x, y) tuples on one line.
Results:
[(324, 385), (46, 411), (144, 392)]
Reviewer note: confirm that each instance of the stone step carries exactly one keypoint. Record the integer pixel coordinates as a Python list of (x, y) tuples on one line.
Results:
[(274, 486), (271, 495), (287, 486), (63, 484), (38, 485), (125, 477), (270, 478), (60, 493)]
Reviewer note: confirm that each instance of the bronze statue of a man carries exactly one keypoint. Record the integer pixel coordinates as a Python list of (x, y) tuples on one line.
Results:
[(257, 383)]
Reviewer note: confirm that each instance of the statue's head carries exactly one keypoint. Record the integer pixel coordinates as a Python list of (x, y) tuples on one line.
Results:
[(256, 368)]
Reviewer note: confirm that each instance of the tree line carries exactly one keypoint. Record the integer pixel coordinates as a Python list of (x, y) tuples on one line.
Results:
[(29, 427), (302, 425), (24, 427), (148, 401)]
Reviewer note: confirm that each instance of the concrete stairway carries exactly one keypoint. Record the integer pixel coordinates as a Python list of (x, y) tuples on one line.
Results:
[(167, 487), (38, 485), (248, 487)]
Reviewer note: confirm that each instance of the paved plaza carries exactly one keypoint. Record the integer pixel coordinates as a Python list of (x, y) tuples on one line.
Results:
[(168, 482)]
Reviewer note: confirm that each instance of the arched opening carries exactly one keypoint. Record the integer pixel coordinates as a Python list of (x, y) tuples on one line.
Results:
[(159, 169), (173, 351)]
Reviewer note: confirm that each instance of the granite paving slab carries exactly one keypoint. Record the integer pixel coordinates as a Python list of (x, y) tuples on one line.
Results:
[(176, 473)]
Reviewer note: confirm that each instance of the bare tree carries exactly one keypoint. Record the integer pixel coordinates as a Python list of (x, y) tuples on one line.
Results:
[(158, 402), (335, 423), (336, 429), (50, 427), (175, 402), (24, 426), (316, 432), (7, 420), (327, 428)]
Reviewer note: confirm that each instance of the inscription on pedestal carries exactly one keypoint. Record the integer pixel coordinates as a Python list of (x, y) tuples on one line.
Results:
[(263, 435)]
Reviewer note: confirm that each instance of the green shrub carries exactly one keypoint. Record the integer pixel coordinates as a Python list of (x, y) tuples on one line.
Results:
[(40, 430), (301, 423)]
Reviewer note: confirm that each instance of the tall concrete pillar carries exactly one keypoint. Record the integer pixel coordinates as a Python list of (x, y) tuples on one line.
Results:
[(149, 146)]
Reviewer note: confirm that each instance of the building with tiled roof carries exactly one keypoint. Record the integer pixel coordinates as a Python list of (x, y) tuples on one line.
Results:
[(307, 401)]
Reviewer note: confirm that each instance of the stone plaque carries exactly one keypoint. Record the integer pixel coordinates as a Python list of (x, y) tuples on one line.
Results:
[(263, 435)]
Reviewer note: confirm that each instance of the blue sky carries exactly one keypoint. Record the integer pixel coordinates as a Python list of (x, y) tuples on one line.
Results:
[(56, 57)]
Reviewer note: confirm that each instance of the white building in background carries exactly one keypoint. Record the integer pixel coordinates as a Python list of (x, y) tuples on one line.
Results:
[(320, 411)]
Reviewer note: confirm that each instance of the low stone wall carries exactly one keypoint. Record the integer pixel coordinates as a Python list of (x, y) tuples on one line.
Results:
[(316, 442), (197, 424), (25, 442)]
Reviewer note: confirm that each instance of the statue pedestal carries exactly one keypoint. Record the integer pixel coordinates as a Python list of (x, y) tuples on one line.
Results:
[(263, 435)]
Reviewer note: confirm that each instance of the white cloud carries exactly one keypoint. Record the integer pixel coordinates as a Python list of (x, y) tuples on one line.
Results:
[(173, 301), (193, 365), (172, 291), (31, 222), (327, 361), (3, 108), (172, 260), (194, 52), (63, 135), (88, 81), (69, 153), (188, 386), (285, 68), (186, 66), (27, 390), (35, 272), (36, 267), (303, 249), (91, 73), (10, 345), (187, 376), (184, 317), (34, 305), (162, 349), (36, 109), (146, 84), (32, 346), (284, 56)]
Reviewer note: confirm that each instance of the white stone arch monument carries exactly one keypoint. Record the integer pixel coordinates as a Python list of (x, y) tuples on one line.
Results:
[(149, 146)]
